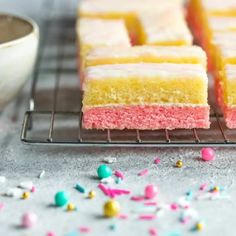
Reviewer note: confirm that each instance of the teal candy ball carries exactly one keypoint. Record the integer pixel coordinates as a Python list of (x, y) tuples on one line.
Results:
[(61, 198), (104, 171)]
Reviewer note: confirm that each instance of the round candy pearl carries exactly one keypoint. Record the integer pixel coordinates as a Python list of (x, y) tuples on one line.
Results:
[(61, 198), (111, 208), (104, 171), (150, 191), (29, 220), (208, 154)]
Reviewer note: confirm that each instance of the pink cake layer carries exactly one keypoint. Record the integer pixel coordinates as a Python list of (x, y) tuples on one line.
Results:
[(148, 117), (229, 112)]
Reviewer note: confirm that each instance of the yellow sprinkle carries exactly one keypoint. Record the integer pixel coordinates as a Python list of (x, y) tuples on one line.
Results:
[(25, 195), (216, 189), (91, 194), (70, 207), (199, 226), (179, 164)]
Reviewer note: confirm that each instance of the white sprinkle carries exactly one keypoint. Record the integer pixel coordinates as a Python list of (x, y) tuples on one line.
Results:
[(2, 179), (42, 174), (14, 192), (26, 185), (107, 180), (109, 160)]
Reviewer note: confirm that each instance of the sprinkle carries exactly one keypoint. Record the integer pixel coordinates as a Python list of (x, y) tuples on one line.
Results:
[(174, 206), (199, 226), (150, 203), (29, 220), (33, 189), (147, 217), (107, 180), (50, 233), (143, 172), (91, 194), (179, 164), (26, 185), (13, 192), (2, 206), (119, 174), (123, 216), (208, 154), (2, 179), (84, 229), (137, 198), (25, 195), (150, 191), (118, 180), (152, 232), (203, 187), (121, 191), (104, 189), (109, 160), (157, 161), (41, 174), (112, 227), (174, 233), (80, 188), (71, 207)]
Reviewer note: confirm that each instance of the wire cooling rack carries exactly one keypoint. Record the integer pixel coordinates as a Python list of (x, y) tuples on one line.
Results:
[(54, 115)]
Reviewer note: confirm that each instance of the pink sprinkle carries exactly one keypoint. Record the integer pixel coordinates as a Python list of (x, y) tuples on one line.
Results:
[(208, 154), (119, 174), (111, 193), (121, 191), (33, 189), (2, 206), (84, 229), (150, 203), (203, 187), (137, 198), (143, 172), (50, 233), (185, 220), (104, 189), (174, 206), (147, 217), (153, 232), (123, 216), (157, 161)]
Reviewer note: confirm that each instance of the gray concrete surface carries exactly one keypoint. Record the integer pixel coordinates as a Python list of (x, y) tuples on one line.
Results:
[(66, 166)]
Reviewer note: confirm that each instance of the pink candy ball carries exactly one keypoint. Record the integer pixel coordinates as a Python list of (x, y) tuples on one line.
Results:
[(208, 154), (150, 191), (29, 220)]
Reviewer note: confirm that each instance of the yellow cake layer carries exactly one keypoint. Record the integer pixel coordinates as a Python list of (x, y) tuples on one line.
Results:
[(229, 84), (147, 54), (165, 28), (145, 83)]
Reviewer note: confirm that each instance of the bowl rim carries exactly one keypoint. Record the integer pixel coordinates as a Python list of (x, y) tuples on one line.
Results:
[(34, 25)]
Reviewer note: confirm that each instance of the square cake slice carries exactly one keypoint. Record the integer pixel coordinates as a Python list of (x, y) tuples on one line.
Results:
[(145, 96)]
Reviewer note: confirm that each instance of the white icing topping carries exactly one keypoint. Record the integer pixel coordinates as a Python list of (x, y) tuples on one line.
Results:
[(103, 32), (124, 6), (146, 70), (219, 5), (230, 71), (222, 23), (228, 51), (166, 26), (154, 51), (227, 38)]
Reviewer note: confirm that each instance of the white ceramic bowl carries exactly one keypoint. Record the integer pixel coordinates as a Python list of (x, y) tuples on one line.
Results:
[(19, 39)]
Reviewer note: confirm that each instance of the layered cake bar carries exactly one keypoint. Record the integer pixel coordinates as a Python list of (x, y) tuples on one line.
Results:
[(147, 54), (227, 96), (95, 33), (123, 9), (145, 96), (166, 28)]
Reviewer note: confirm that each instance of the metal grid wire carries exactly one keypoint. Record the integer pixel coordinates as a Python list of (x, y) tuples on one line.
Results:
[(54, 115)]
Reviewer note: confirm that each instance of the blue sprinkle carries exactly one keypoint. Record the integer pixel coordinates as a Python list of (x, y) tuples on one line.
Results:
[(118, 180), (80, 188), (174, 233), (189, 195), (112, 227)]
